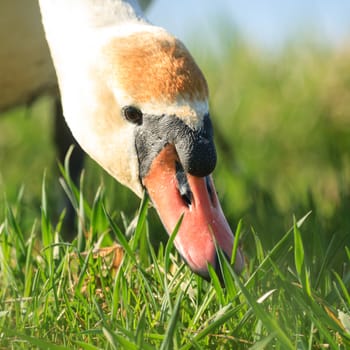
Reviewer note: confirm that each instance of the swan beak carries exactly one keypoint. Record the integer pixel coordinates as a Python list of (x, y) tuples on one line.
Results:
[(175, 193)]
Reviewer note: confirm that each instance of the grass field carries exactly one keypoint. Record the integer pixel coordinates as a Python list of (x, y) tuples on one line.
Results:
[(282, 127)]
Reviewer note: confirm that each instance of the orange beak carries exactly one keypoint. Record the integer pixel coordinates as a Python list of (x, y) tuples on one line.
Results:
[(195, 198)]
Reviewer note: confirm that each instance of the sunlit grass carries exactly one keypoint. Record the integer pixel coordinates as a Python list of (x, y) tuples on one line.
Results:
[(58, 295)]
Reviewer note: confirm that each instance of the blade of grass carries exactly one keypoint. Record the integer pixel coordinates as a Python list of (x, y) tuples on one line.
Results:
[(325, 261), (141, 219), (214, 279), (17, 230), (202, 307), (168, 249), (28, 266), (277, 247), (120, 237), (40, 343), (86, 346), (140, 329), (344, 289), (46, 231), (268, 321), (228, 281), (114, 340), (170, 244), (299, 258), (81, 242), (220, 318), (262, 344), (173, 322), (236, 242)]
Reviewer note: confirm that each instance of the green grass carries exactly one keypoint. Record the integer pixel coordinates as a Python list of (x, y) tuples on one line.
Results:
[(282, 132), (52, 295)]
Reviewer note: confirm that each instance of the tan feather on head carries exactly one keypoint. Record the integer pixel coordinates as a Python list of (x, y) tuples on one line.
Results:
[(154, 68)]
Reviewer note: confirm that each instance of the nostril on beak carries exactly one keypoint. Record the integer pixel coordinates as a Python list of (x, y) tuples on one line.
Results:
[(183, 185), (210, 190)]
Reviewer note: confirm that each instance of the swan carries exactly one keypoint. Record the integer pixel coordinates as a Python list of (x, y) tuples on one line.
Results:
[(27, 73), (26, 68), (137, 103)]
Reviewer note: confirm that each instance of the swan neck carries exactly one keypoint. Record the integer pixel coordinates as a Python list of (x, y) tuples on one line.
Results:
[(89, 14)]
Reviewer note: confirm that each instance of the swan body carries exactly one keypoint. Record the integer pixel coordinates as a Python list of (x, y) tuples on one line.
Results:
[(26, 68), (137, 103)]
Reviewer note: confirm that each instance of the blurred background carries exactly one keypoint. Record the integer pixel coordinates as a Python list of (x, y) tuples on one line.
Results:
[(279, 80), (266, 23)]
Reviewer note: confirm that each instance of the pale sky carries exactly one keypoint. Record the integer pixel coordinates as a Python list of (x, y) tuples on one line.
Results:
[(267, 23)]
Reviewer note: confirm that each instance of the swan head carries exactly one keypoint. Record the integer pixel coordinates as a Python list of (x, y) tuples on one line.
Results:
[(145, 119)]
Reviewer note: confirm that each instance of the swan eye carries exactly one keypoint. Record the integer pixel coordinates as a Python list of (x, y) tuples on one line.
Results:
[(132, 114)]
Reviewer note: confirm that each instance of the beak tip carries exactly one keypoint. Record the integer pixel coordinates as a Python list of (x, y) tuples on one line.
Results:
[(202, 269)]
